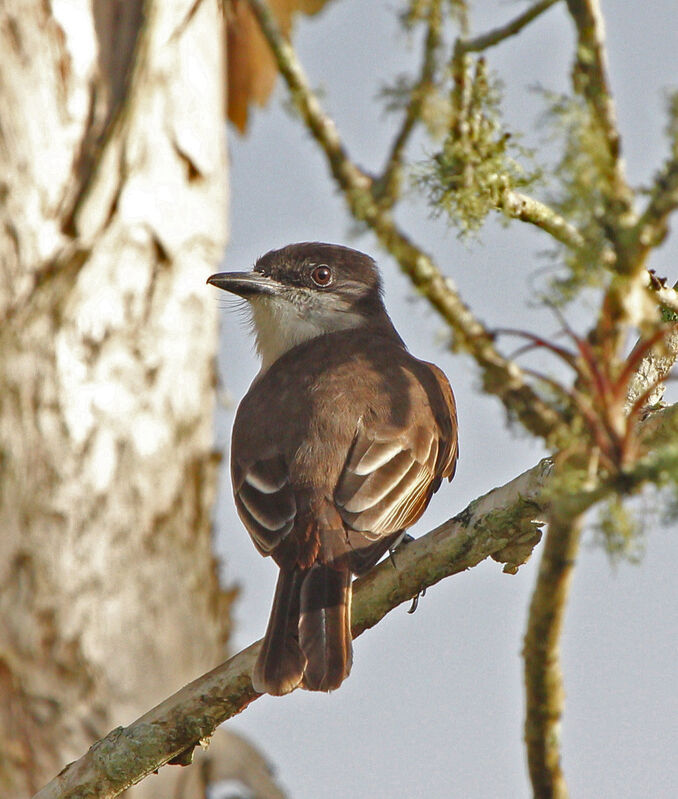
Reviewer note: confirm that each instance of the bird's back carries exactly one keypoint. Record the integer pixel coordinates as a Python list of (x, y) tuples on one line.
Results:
[(317, 473)]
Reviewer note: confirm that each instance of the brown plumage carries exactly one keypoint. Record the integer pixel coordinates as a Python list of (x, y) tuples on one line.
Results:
[(337, 449)]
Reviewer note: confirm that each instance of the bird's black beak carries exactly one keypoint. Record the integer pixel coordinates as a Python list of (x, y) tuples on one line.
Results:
[(245, 284)]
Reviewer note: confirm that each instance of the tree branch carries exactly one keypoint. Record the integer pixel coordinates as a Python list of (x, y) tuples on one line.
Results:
[(387, 187), (590, 78), (527, 209), (126, 755), (502, 524), (498, 35), (544, 694), (654, 368), (631, 238), (652, 227)]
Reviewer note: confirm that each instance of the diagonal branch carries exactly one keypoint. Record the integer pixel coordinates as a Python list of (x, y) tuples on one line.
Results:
[(503, 524), (534, 212), (544, 691), (498, 35), (500, 376), (528, 209), (126, 755), (652, 227)]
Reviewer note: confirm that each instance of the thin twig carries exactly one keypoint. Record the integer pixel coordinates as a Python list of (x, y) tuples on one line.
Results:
[(498, 35), (527, 209), (652, 226), (500, 376), (389, 182), (590, 78)]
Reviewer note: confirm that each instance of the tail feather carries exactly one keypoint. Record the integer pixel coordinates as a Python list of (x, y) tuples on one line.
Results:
[(280, 665), (325, 627)]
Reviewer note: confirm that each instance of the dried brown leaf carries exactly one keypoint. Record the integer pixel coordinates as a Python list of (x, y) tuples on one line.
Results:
[(250, 68)]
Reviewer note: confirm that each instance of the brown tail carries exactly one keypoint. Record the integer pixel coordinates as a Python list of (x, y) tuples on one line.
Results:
[(308, 638), (280, 665), (325, 627)]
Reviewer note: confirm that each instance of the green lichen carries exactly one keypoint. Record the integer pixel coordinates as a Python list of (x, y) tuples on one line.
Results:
[(477, 164), (620, 531), (579, 191)]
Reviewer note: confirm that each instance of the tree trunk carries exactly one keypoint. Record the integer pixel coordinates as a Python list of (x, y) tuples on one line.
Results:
[(112, 214)]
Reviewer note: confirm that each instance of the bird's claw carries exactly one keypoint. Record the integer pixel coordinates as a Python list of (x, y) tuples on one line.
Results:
[(415, 600), (405, 539)]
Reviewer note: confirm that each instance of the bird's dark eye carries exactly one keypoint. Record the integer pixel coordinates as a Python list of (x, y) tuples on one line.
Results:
[(322, 275)]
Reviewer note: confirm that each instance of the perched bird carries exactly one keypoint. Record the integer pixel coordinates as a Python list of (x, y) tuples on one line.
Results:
[(337, 448)]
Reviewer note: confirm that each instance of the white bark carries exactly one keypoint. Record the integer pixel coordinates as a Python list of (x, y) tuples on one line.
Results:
[(112, 214)]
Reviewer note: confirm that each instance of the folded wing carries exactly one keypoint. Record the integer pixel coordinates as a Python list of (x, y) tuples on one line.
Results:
[(388, 478)]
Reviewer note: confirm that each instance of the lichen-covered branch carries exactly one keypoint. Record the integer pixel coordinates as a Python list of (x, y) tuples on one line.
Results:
[(652, 227), (519, 206), (625, 301), (590, 78), (544, 694), (498, 35), (503, 524), (653, 370), (126, 755), (631, 237)]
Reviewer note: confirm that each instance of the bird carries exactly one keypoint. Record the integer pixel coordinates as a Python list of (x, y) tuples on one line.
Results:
[(337, 448)]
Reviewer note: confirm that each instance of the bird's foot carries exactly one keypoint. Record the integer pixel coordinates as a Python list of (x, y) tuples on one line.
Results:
[(405, 538), (415, 601)]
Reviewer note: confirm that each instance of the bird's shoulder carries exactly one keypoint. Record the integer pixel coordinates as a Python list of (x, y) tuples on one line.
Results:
[(334, 381), (344, 365)]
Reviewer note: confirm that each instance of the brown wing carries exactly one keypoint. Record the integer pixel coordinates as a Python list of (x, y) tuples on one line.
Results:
[(387, 480), (445, 413), (265, 500), (391, 472)]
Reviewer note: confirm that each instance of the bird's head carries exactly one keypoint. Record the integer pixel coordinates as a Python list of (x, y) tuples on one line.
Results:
[(306, 290)]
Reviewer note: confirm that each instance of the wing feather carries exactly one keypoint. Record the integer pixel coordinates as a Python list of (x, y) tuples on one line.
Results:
[(272, 511), (389, 474), (376, 454), (359, 492), (391, 494), (265, 501)]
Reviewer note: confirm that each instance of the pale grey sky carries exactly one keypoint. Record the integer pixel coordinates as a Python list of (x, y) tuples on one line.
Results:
[(434, 704)]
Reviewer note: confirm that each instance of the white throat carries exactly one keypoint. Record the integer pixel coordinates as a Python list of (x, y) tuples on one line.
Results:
[(280, 325)]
